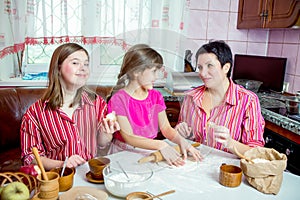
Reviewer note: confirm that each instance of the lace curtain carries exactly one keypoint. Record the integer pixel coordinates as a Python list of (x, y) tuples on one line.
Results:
[(159, 23)]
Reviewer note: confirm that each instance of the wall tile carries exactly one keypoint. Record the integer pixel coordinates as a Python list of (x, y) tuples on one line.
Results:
[(276, 36), (234, 5), (217, 25), (258, 35), (291, 36), (290, 51), (197, 26), (234, 33), (219, 5), (298, 62), (255, 48), (202, 4), (275, 50), (296, 86), (238, 47)]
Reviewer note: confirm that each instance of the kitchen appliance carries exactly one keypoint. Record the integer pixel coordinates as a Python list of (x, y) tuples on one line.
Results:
[(269, 70), (277, 103), (179, 82), (286, 146)]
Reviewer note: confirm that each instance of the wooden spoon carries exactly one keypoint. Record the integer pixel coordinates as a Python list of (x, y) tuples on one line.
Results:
[(242, 156), (162, 194), (39, 162)]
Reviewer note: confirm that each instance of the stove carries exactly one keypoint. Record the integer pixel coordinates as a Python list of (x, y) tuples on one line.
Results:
[(276, 104)]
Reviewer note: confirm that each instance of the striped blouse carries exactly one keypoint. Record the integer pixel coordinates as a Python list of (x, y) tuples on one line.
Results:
[(241, 114), (56, 135)]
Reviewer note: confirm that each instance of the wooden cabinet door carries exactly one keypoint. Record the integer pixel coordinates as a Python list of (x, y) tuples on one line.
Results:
[(250, 13), (283, 13), (268, 13), (172, 111)]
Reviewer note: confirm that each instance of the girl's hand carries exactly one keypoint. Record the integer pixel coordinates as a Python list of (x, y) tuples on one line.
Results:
[(171, 156), (110, 124), (74, 161), (185, 147)]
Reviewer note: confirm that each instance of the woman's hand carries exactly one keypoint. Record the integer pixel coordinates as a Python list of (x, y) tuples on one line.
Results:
[(74, 161), (222, 135), (184, 130)]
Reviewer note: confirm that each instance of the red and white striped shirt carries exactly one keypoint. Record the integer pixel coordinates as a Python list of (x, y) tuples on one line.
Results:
[(56, 135), (241, 114)]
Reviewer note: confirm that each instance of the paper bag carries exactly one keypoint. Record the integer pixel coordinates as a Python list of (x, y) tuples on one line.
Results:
[(266, 173)]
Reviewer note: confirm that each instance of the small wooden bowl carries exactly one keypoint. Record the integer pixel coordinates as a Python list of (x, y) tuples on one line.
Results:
[(65, 181), (230, 175), (138, 195)]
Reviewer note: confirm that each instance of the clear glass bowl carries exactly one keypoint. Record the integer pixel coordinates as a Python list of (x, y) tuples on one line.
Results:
[(252, 85), (117, 183)]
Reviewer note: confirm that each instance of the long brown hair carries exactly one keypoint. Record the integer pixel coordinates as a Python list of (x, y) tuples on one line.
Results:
[(138, 58), (54, 93)]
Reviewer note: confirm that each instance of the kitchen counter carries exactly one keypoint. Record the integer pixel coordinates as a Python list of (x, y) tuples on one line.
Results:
[(281, 121)]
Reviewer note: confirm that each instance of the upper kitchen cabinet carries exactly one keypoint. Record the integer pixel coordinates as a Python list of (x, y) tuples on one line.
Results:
[(268, 13)]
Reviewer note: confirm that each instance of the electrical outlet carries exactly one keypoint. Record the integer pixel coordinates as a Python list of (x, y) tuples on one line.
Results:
[(286, 86)]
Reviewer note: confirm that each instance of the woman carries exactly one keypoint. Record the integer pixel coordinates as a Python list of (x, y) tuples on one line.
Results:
[(220, 113), (68, 121), (140, 109)]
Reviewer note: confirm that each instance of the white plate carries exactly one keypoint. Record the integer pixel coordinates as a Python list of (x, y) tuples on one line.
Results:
[(83, 190)]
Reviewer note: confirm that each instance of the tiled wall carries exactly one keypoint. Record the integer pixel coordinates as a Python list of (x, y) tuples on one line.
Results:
[(217, 19)]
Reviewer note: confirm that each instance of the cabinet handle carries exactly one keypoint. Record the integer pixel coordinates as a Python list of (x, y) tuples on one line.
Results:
[(288, 151), (268, 139)]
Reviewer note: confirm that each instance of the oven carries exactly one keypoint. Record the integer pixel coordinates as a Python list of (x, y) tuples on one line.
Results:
[(286, 146)]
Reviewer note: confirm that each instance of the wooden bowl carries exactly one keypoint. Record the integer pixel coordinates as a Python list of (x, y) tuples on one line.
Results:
[(65, 181), (230, 175), (97, 165), (138, 195)]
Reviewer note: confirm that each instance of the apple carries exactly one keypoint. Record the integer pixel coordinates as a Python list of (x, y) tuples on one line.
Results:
[(15, 191), (33, 170)]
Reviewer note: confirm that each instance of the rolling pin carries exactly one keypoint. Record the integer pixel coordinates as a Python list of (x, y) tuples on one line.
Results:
[(156, 156)]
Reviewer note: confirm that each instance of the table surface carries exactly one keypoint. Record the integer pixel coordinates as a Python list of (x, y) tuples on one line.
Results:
[(196, 180)]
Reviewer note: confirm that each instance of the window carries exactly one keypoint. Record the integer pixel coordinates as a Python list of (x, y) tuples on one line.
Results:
[(105, 62), (101, 23)]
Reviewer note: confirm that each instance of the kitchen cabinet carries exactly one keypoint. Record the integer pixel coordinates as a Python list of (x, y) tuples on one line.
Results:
[(267, 13), (172, 111)]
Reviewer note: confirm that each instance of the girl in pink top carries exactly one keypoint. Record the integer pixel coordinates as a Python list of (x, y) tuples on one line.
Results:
[(140, 109), (220, 113)]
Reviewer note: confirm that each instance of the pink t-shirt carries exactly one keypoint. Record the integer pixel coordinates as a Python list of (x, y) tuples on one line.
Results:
[(141, 114)]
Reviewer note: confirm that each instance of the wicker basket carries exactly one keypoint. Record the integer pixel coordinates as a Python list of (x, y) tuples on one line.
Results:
[(29, 180)]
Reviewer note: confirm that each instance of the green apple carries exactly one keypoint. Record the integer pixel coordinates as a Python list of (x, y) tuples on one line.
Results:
[(15, 191)]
